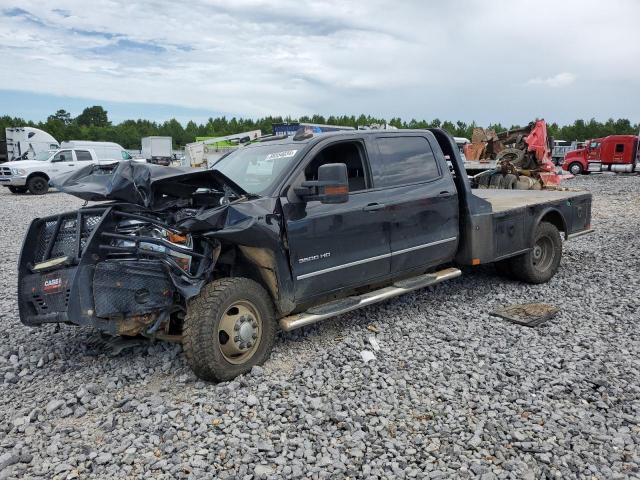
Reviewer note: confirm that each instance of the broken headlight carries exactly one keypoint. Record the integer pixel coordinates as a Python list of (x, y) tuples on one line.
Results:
[(156, 239)]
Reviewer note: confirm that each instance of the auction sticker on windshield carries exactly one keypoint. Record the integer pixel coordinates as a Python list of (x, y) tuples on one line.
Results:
[(285, 154)]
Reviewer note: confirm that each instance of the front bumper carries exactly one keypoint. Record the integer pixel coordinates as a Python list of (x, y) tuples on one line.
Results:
[(13, 181), (99, 295)]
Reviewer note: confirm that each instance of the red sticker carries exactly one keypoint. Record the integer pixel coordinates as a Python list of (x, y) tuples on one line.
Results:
[(52, 285)]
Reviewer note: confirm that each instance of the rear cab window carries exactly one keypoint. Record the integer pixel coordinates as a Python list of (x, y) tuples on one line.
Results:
[(83, 155), (404, 161)]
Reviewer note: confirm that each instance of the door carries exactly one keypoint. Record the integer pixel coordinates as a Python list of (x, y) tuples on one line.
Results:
[(421, 200), (334, 246), (618, 153), (62, 162)]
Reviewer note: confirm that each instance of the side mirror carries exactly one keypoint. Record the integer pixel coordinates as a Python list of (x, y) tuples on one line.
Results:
[(332, 185)]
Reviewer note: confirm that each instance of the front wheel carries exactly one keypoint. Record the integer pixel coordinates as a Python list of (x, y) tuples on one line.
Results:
[(576, 168), (38, 185), (540, 263), (229, 327)]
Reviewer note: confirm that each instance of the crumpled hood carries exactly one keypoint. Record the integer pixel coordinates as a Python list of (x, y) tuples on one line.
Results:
[(151, 186)]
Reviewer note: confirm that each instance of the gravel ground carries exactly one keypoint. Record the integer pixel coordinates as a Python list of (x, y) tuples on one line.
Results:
[(453, 391)]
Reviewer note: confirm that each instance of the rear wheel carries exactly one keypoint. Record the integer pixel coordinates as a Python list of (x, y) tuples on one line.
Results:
[(38, 185), (540, 263), (229, 328), (13, 189), (576, 168)]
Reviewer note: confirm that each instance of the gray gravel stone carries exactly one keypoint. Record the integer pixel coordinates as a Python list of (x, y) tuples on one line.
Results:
[(453, 393)]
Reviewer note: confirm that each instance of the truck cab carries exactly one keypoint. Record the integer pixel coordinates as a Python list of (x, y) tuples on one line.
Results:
[(34, 175), (283, 232), (615, 153)]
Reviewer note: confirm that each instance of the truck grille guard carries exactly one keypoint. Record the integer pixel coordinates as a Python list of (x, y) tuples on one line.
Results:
[(64, 237), (62, 240)]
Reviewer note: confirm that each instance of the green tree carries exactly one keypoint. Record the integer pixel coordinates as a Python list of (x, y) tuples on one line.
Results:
[(61, 116), (93, 116)]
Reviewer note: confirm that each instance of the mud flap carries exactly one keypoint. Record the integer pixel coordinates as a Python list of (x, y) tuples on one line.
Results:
[(527, 314)]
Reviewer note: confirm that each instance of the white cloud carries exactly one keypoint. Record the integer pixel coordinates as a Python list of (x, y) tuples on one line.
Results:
[(255, 57), (563, 79)]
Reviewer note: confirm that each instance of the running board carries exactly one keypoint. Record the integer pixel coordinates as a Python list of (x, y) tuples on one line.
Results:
[(338, 307)]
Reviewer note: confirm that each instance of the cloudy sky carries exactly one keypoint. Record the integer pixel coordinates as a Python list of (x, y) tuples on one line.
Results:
[(505, 61)]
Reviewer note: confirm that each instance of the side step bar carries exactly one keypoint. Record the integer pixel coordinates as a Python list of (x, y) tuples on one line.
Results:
[(331, 309), (571, 236)]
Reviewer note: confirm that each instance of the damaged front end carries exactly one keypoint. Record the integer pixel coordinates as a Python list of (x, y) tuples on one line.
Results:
[(120, 269), (129, 267)]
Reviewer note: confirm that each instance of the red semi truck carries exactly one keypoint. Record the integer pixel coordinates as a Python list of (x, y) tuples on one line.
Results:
[(615, 153)]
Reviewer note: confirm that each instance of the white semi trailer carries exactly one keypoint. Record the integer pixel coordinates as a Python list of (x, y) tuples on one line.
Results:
[(24, 143)]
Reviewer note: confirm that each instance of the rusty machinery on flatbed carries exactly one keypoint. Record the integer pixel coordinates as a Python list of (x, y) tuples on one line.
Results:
[(513, 159)]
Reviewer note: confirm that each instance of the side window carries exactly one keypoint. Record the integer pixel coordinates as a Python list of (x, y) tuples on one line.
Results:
[(83, 155), (63, 156), (406, 160), (349, 153), (125, 155), (619, 147)]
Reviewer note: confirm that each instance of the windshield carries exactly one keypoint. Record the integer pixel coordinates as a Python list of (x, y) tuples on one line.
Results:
[(44, 155), (256, 169)]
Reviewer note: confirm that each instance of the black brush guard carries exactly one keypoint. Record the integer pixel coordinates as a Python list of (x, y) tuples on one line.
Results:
[(88, 287)]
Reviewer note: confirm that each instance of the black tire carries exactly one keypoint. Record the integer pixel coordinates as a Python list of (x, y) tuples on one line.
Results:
[(515, 156), (541, 263), (215, 354), (38, 185), (576, 168), (483, 179), (509, 181), (13, 189), (496, 180)]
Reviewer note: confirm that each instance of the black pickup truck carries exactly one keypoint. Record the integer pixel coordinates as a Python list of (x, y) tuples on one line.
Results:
[(283, 232)]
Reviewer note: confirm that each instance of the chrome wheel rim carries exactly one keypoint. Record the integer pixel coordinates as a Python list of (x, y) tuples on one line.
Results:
[(543, 254), (239, 332)]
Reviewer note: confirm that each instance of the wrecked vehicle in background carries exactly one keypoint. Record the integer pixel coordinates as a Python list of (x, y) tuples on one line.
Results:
[(514, 159), (289, 230)]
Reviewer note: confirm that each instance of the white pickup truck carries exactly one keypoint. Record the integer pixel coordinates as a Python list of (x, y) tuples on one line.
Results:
[(34, 175)]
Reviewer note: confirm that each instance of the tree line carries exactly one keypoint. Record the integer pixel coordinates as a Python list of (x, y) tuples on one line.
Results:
[(94, 124)]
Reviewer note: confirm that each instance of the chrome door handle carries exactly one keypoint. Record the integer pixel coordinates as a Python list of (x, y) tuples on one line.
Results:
[(373, 207)]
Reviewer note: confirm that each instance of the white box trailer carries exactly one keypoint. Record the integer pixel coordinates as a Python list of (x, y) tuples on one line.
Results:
[(24, 143), (157, 150)]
